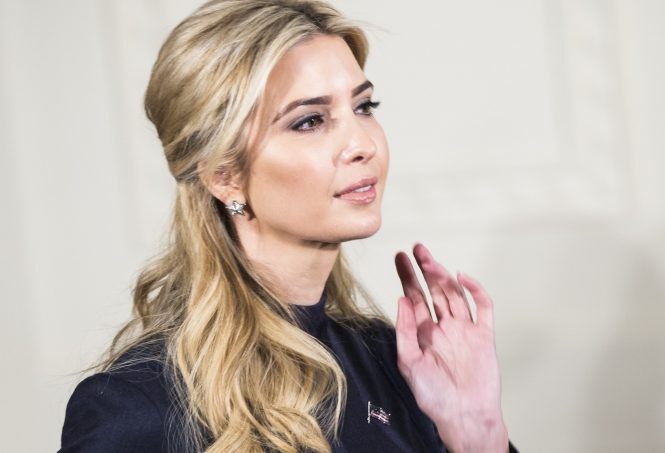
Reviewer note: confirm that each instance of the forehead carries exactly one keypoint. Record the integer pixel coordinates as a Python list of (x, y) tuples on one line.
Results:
[(320, 66)]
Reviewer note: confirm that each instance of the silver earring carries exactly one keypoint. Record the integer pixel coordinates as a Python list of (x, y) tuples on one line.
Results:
[(236, 208)]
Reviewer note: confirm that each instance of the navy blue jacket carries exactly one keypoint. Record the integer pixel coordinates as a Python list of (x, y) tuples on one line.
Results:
[(131, 410)]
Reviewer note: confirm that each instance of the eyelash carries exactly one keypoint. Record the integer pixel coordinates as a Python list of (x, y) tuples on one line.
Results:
[(367, 106)]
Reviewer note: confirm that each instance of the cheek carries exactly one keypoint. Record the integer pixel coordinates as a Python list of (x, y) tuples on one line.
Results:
[(375, 130), (383, 152), (288, 180)]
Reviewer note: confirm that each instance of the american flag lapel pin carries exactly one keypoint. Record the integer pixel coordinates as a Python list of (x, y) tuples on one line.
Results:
[(378, 413)]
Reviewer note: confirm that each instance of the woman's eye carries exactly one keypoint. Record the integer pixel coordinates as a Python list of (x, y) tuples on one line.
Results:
[(307, 123), (367, 107)]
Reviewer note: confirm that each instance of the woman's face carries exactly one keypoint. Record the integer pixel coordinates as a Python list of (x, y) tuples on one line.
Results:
[(319, 158)]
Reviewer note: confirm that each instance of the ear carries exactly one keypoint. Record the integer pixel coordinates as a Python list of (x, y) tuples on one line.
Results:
[(222, 185)]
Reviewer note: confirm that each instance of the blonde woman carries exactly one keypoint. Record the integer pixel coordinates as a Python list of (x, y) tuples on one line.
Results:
[(247, 336)]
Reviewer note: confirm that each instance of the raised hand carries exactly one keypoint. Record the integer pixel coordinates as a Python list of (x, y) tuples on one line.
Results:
[(450, 365)]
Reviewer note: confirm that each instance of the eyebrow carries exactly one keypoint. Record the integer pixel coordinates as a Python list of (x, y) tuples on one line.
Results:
[(320, 100)]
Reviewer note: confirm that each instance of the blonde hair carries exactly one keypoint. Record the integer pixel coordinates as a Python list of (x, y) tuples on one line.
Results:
[(248, 378)]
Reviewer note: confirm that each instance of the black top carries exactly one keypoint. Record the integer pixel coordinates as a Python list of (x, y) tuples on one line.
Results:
[(130, 410), (381, 414)]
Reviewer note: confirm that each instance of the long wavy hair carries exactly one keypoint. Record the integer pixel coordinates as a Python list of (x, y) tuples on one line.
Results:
[(247, 377)]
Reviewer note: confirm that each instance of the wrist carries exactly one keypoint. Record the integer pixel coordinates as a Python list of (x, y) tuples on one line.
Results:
[(486, 434)]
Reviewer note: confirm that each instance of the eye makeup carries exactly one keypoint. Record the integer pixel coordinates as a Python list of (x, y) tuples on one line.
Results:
[(312, 121)]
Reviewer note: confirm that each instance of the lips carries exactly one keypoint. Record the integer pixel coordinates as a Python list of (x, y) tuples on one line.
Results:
[(362, 192)]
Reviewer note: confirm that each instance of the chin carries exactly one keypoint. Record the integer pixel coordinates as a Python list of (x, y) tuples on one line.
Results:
[(363, 230)]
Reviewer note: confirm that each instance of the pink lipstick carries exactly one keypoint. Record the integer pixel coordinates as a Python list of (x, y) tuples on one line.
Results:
[(361, 192)]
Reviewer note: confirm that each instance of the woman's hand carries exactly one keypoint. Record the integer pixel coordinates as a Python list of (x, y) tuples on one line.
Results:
[(450, 365)]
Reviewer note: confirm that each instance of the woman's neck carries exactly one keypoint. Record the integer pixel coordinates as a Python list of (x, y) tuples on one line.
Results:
[(297, 271)]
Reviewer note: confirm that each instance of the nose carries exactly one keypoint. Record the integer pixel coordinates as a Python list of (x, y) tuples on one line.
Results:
[(359, 145)]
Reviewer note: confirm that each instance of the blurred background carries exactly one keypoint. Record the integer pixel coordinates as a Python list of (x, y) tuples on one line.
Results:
[(528, 149)]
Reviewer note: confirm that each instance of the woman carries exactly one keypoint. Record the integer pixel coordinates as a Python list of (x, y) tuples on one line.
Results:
[(247, 336)]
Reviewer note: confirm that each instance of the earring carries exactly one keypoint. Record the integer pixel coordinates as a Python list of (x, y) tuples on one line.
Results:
[(236, 208)]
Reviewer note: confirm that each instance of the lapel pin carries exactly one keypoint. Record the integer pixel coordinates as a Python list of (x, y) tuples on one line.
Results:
[(377, 413)]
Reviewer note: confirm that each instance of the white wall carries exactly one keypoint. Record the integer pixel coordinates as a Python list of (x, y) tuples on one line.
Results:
[(527, 142)]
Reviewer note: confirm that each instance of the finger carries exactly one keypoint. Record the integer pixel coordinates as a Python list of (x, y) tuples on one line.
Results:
[(440, 303), (484, 305), (408, 349), (439, 280), (412, 288), (439, 298)]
